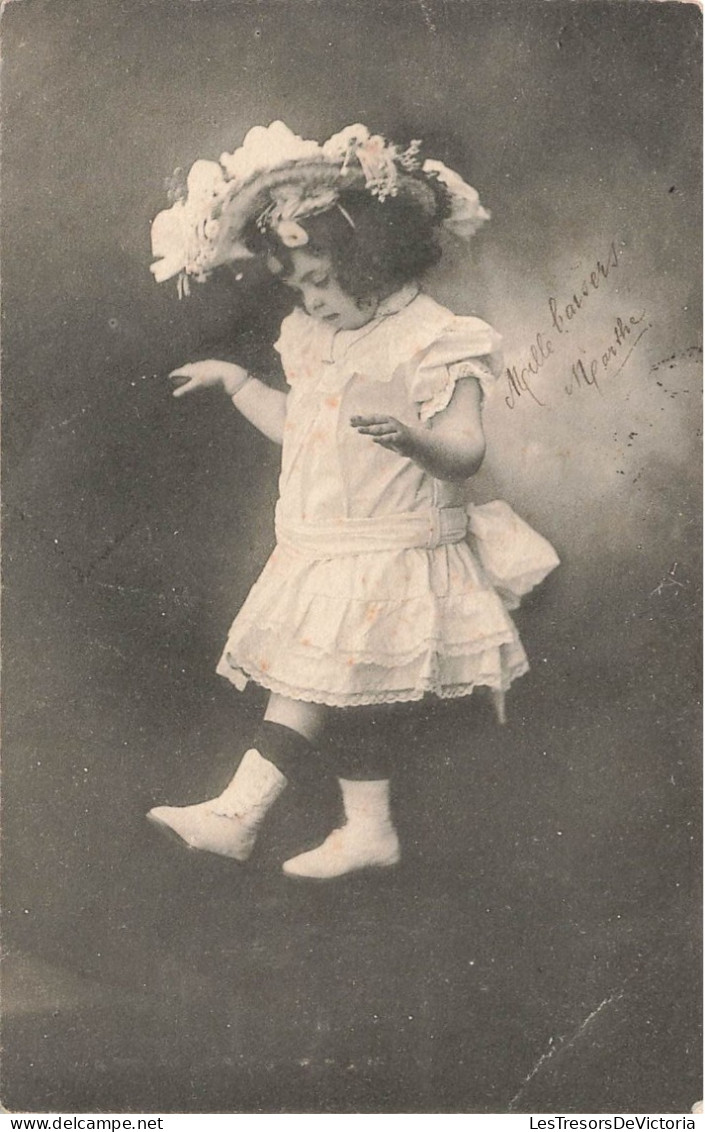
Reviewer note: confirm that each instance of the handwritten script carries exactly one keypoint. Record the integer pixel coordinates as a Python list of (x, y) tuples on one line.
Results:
[(582, 372)]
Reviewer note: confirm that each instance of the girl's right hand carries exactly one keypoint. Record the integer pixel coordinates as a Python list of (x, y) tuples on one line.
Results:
[(201, 375)]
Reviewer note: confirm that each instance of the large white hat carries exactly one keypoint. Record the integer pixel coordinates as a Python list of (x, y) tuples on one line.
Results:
[(276, 179)]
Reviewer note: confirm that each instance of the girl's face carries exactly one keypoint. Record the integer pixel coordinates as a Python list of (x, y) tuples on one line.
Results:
[(322, 296)]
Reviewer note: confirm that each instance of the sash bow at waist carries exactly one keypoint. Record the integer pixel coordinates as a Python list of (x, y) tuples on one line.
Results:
[(435, 526), (513, 556)]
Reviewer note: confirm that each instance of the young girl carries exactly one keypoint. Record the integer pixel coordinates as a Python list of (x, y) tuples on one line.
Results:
[(385, 585)]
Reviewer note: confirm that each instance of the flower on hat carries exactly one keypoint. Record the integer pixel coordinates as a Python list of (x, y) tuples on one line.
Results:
[(291, 234), (377, 161), (267, 147), (341, 147), (467, 214), (374, 154), (169, 242), (182, 234)]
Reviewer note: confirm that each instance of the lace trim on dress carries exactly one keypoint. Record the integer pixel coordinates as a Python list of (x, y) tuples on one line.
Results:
[(441, 399), (360, 699)]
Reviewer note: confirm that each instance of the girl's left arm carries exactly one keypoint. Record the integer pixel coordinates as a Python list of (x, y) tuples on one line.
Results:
[(263, 406), (450, 447)]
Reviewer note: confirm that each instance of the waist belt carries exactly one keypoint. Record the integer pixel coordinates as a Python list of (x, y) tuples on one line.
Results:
[(436, 526)]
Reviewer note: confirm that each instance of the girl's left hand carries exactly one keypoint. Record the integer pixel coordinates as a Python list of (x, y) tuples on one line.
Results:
[(202, 375), (386, 431)]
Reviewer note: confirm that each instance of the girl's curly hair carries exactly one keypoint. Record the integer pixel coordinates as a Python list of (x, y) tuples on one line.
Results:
[(375, 247)]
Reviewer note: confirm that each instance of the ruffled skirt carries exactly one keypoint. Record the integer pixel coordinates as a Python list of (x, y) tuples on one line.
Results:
[(387, 626)]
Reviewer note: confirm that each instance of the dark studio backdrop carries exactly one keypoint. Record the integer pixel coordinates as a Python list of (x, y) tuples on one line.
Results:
[(538, 949)]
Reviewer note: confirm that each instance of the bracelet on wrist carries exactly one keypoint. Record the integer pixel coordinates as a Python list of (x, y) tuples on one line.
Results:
[(240, 386)]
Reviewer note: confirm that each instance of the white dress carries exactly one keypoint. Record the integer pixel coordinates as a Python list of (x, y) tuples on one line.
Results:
[(385, 584)]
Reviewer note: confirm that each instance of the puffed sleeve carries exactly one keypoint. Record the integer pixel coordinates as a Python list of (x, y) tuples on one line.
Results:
[(294, 346), (467, 347)]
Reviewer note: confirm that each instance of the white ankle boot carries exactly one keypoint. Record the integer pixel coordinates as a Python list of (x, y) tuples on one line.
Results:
[(227, 824), (367, 840)]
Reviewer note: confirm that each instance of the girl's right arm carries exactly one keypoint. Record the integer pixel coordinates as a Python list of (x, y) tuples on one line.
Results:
[(263, 406)]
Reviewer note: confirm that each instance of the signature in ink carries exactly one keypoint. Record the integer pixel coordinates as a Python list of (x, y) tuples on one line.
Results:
[(565, 312), (623, 335), (519, 380), (520, 377)]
